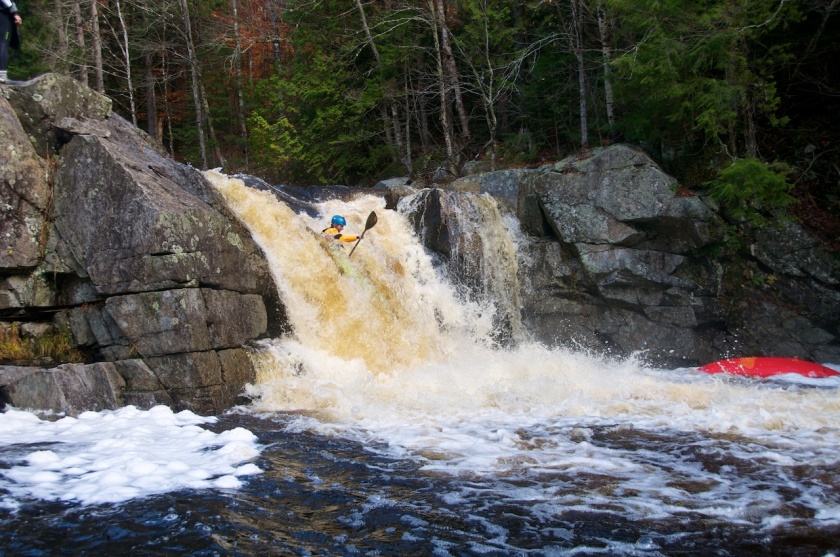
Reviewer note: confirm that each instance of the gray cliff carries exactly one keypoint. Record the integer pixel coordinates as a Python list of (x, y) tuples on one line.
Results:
[(616, 258), (136, 254)]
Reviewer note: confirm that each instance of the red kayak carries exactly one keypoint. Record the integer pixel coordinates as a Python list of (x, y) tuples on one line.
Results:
[(768, 367)]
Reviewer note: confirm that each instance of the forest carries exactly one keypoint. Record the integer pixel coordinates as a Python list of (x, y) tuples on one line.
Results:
[(737, 98)]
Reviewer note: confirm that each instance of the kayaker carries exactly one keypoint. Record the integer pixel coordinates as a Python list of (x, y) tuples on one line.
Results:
[(333, 233)]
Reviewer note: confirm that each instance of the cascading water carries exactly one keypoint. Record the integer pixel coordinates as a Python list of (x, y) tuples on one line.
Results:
[(469, 234), (384, 348), (384, 311)]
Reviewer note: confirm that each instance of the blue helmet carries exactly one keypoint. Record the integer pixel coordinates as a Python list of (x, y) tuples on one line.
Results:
[(338, 219)]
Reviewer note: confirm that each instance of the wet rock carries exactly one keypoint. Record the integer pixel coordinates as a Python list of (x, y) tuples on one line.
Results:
[(467, 234), (617, 261), (69, 388), (187, 320), (134, 231), (619, 196), (25, 194)]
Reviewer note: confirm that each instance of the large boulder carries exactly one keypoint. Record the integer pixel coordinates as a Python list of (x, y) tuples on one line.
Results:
[(186, 320), (69, 388), (624, 268), (143, 262), (610, 264), (617, 260), (619, 196), (800, 268), (125, 215)]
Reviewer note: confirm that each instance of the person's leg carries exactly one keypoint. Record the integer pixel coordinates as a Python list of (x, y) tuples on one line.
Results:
[(6, 23)]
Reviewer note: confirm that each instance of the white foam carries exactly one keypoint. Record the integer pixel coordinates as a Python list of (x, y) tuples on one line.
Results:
[(533, 414), (113, 456)]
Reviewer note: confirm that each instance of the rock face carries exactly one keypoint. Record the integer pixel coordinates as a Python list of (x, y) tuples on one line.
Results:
[(625, 278), (26, 196), (135, 253), (617, 261)]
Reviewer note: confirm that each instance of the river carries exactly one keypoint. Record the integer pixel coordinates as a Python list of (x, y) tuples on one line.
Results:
[(390, 422)]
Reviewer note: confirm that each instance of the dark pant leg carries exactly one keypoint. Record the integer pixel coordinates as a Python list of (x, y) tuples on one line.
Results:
[(6, 23)]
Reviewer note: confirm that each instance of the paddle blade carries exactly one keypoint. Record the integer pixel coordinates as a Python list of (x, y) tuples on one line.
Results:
[(371, 222)]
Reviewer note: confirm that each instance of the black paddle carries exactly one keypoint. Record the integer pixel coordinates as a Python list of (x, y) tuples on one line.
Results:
[(371, 222)]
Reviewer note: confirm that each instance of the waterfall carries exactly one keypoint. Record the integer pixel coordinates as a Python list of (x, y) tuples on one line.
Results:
[(467, 231), (383, 342), (388, 308)]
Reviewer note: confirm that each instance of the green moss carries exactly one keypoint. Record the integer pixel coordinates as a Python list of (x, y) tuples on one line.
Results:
[(57, 346)]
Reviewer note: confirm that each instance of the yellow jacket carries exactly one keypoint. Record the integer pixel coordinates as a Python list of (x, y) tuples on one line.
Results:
[(333, 234)]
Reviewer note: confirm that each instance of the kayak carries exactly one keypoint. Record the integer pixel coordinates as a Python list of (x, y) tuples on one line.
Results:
[(768, 367)]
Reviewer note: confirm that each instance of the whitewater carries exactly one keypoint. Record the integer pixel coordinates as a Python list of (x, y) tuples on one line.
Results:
[(388, 358), (390, 353)]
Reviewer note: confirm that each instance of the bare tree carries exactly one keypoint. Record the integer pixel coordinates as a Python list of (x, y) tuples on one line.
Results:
[(151, 100), (96, 37), (121, 36), (196, 84), (76, 10), (445, 110), (577, 37), (495, 66), (60, 55), (450, 67), (166, 95), (606, 50), (391, 121), (237, 72)]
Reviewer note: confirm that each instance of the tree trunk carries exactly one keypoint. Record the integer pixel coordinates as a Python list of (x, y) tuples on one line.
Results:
[(367, 31), (445, 117), (389, 136), (80, 41), (166, 106), (237, 70), (61, 32), (408, 162), (751, 147), (390, 113), (398, 135), (423, 120), (97, 46), (732, 134), (387, 124), (217, 151), (603, 28), (151, 104), (578, 46), (451, 68), (274, 9), (194, 73), (126, 53)]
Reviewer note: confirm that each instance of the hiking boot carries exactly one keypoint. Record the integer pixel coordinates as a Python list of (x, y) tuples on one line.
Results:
[(4, 80)]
